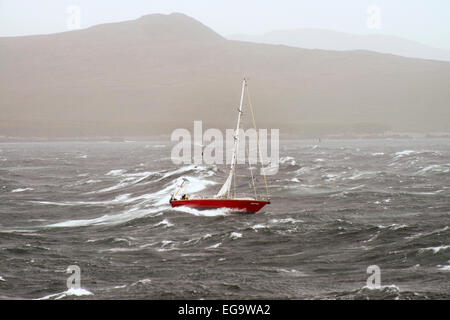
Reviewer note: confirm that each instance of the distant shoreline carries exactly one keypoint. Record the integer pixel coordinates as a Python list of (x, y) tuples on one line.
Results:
[(166, 137)]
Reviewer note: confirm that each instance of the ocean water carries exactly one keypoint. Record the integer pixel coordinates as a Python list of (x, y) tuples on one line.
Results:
[(337, 208)]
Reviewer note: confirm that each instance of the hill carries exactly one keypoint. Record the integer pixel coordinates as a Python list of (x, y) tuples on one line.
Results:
[(161, 72)]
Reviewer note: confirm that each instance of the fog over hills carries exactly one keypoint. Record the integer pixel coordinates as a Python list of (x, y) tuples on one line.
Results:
[(333, 40), (161, 72)]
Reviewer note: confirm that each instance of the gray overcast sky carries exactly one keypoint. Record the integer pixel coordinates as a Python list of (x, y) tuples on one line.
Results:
[(424, 21)]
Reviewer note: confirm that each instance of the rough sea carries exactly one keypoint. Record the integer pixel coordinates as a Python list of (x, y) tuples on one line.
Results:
[(337, 208)]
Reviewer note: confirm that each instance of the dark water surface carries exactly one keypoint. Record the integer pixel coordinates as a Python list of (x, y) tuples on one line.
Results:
[(336, 209)]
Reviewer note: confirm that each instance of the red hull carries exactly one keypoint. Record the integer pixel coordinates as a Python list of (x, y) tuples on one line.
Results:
[(235, 204)]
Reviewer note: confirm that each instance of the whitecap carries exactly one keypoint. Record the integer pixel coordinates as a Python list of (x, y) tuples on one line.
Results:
[(289, 160), (303, 170), (120, 287), (444, 268), (393, 226), (130, 179), (127, 241), (164, 222), (123, 198), (404, 153), (271, 169), (143, 281), (258, 226), (420, 234), (167, 245), (330, 176), (108, 219), (286, 220), (113, 250), (235, 235), (435, 168), (116, 172), (71, 292), (159, 198), (197, 239), (435, 249), (372, 238), (388, 288), (22, 189), (205, 213), (364, 174), (214, 246), (93, 181), (193, 185)]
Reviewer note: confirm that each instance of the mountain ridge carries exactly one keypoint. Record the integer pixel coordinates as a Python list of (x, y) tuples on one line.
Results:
[(118, 80), (316, 38)]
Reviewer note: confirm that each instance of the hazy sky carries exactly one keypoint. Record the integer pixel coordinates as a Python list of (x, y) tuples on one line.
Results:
[(425, 21)]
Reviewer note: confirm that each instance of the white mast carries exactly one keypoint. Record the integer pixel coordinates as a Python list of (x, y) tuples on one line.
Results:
[(226, 188)]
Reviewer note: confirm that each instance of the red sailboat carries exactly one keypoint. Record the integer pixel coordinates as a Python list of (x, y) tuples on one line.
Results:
[(225, 198)]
